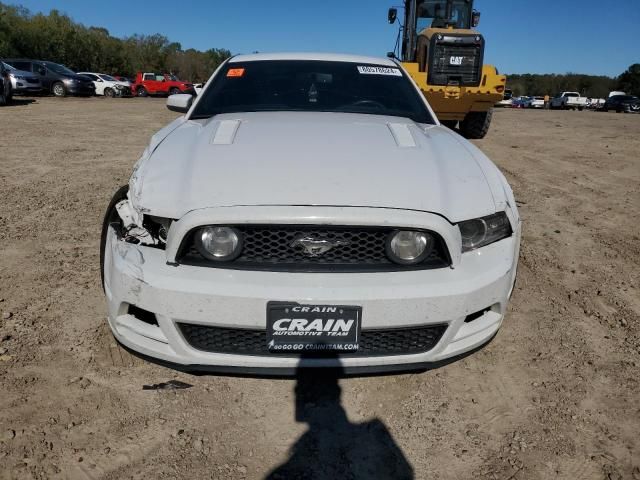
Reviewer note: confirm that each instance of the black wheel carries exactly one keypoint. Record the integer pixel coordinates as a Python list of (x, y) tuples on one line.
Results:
[(142, 92), (109, 92), (58, 89), (111, 216), (174, 91), (476, 124), (452, 124), (4, 94)]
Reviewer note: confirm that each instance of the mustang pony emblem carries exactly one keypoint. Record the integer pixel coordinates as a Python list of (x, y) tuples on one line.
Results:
[(315, 247)]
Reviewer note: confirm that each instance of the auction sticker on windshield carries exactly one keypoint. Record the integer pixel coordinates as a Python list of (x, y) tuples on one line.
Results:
[(368, 70), (292, 327)]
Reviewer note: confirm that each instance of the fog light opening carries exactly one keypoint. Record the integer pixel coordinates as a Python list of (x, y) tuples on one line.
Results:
[(143, 315)]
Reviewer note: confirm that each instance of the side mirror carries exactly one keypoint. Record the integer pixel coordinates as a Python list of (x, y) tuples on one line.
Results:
[(392, 15), (180, 102), (475, 18)]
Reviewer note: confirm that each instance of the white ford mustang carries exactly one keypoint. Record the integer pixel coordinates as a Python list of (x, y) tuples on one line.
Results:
[(308, 210)]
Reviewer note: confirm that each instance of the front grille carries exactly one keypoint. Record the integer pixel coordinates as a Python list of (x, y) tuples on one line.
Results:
[(399, 341), (446, 52), (269, 247)]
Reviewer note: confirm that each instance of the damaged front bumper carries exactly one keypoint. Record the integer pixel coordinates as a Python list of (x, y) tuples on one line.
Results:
[(143, 276)]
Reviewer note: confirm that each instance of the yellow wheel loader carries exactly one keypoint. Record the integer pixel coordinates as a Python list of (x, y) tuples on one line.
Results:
[(442, 52)]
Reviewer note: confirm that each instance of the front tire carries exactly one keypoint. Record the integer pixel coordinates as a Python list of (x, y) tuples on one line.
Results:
[(58, 89), (111, 216), (476, 124), (5, 95), (142, 92), (174, 91), (109, 92)]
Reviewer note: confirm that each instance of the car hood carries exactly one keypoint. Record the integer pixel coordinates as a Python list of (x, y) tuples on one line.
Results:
[(329, 159)]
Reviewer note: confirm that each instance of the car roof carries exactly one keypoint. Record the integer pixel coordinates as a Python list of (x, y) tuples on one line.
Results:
[(330, 57)]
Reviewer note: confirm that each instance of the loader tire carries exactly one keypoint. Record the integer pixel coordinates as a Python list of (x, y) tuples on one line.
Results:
[(476, 124)]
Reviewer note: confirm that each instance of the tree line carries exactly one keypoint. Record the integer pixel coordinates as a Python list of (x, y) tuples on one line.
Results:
[(593, 86), (57, 38)]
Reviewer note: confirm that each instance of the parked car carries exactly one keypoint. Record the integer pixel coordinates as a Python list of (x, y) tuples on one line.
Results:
[(507, 99), (23, 83), (622, 103), (147, 83), (568, 100), (56, 78), (6, 92), (107, 85), (308, 204), (537, 102), (522, 102)]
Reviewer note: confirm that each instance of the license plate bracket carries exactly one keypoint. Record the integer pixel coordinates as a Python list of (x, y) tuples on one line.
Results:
[(295, 327)]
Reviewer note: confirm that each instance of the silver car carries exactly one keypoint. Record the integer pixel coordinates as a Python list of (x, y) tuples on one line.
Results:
[(23, 82)]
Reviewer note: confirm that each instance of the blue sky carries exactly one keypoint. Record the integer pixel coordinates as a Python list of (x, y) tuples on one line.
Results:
[(522, 36)]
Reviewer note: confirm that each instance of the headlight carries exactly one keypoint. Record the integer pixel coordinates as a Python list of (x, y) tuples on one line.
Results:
[(407, 247), (69, 80), (17, 77), (119, 87), (219, 244), (479, 232)]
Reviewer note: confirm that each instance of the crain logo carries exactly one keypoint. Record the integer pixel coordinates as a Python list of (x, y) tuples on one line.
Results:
[(315, 247)]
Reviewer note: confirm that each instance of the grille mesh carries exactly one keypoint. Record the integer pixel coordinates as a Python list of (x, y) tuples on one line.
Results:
[(271, 248), (467, 73), (401, 341)]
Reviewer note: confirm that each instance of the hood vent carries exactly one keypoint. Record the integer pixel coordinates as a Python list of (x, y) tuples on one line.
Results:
[(402, 135), (226, 132)]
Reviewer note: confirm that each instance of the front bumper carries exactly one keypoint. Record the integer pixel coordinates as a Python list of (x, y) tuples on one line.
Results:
[(145, 277), (23, 87)]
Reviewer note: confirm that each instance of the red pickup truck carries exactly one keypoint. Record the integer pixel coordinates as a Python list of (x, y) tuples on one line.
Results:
[(159, 84)]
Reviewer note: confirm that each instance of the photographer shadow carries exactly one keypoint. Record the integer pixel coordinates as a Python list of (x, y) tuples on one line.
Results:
[(333, 447)]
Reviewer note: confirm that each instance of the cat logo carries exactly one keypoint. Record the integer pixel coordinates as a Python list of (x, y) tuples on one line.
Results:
[(456, 60)]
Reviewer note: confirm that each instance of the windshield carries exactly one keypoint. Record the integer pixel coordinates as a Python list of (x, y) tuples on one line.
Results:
[(433, 13), (108, 78), (59, 68), (7, 66), (312, 86)]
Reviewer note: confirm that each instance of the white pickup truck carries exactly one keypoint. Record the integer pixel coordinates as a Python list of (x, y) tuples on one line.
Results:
[(568, 100)]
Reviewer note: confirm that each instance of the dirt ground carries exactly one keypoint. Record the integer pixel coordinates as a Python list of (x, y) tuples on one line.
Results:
[(555, 395)]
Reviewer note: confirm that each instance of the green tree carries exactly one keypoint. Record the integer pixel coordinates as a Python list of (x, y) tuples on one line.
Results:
[(629, 80), (56, 37)]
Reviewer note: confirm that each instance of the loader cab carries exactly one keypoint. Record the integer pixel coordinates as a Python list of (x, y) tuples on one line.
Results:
[(442, 14)]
